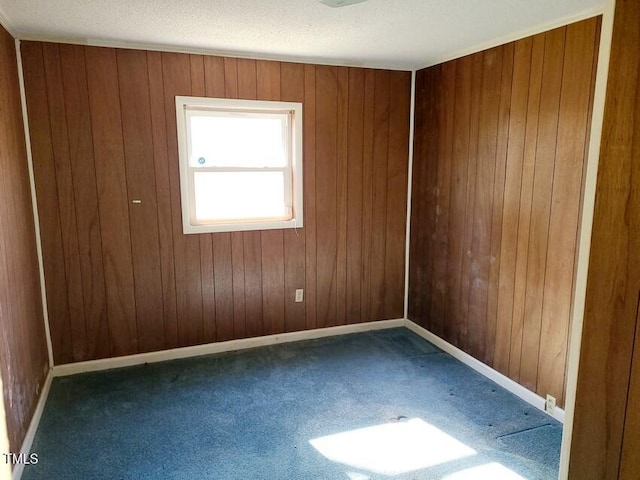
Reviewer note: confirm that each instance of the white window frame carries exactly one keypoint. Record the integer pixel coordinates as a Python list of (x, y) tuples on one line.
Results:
[(293, 170)]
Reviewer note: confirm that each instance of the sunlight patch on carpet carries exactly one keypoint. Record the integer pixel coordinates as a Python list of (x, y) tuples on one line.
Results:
[(490, 471), (392, 448)]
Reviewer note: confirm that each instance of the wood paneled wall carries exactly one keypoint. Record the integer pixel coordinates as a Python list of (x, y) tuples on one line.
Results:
[(122, 278), (500, 147), (24, 359), (606, 429)]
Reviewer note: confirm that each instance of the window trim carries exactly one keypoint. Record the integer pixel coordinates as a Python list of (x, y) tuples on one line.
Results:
[(185, 103)]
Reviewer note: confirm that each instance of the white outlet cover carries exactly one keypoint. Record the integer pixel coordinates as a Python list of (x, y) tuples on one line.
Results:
[(550, 404)]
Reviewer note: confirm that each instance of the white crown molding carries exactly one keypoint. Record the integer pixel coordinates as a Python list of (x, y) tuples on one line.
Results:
[(512, 37), (154, 47)]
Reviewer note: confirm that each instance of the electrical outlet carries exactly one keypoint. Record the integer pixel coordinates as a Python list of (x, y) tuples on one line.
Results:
[(299, 295), (550, 405)]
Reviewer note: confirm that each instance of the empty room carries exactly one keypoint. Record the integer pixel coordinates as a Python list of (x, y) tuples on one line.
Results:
[(320, 239)]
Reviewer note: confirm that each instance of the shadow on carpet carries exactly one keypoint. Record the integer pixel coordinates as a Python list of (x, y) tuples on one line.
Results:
[(375, 405)]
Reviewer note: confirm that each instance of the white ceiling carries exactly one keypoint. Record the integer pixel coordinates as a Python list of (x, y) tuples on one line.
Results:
[(377, 33)]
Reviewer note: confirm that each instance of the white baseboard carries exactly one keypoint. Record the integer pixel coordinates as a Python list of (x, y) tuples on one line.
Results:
[(33, 425), (219, 347), (497, 377)]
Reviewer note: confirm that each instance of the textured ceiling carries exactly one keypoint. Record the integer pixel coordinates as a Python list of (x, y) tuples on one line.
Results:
[(380, 33)]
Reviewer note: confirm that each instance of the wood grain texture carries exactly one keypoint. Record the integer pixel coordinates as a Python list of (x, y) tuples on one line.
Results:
[(138, 153), (163, 198), (497, 181), (326, 193), (108, 148), (146, 286), (546, 144), (66, 204), (49, 211), (605, 442), (525, 207), (397, 177), (24, 361), (457, 200), (379, 185), (511, 205), (630, 460), (85, 191), (502, 145), (576, 97), (176, 73)]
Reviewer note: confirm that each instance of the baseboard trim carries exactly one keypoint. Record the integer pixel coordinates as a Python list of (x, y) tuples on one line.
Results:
[(220, 347), (33, 425), (497, 377)]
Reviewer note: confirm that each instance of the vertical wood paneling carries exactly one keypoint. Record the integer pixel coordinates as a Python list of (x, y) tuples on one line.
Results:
[(499, 155), (106, 125), (511, 208), (572, 134), (163, 198), (484, 190), (442, 195), (379, 182), (44, 171), (355, 188), (498, 199), (24, 362), (524, 214), (135, 105), (397, 177), (630, 460), (472, 171), (367, 192), (222, 256), (457, 200), (252, 260), (546, 143), (342, 194), (85, 190), (147, 286), (66, 203), (604, 444), (326, 190)]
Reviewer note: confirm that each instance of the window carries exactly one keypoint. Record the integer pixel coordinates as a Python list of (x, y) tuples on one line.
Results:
[(240, 164)]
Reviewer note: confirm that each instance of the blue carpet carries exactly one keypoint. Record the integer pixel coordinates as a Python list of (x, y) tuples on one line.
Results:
[(375, 405)]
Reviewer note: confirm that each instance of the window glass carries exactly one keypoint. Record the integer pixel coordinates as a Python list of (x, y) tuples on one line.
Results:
[(240, 164), (224, 140), (231, 196)]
